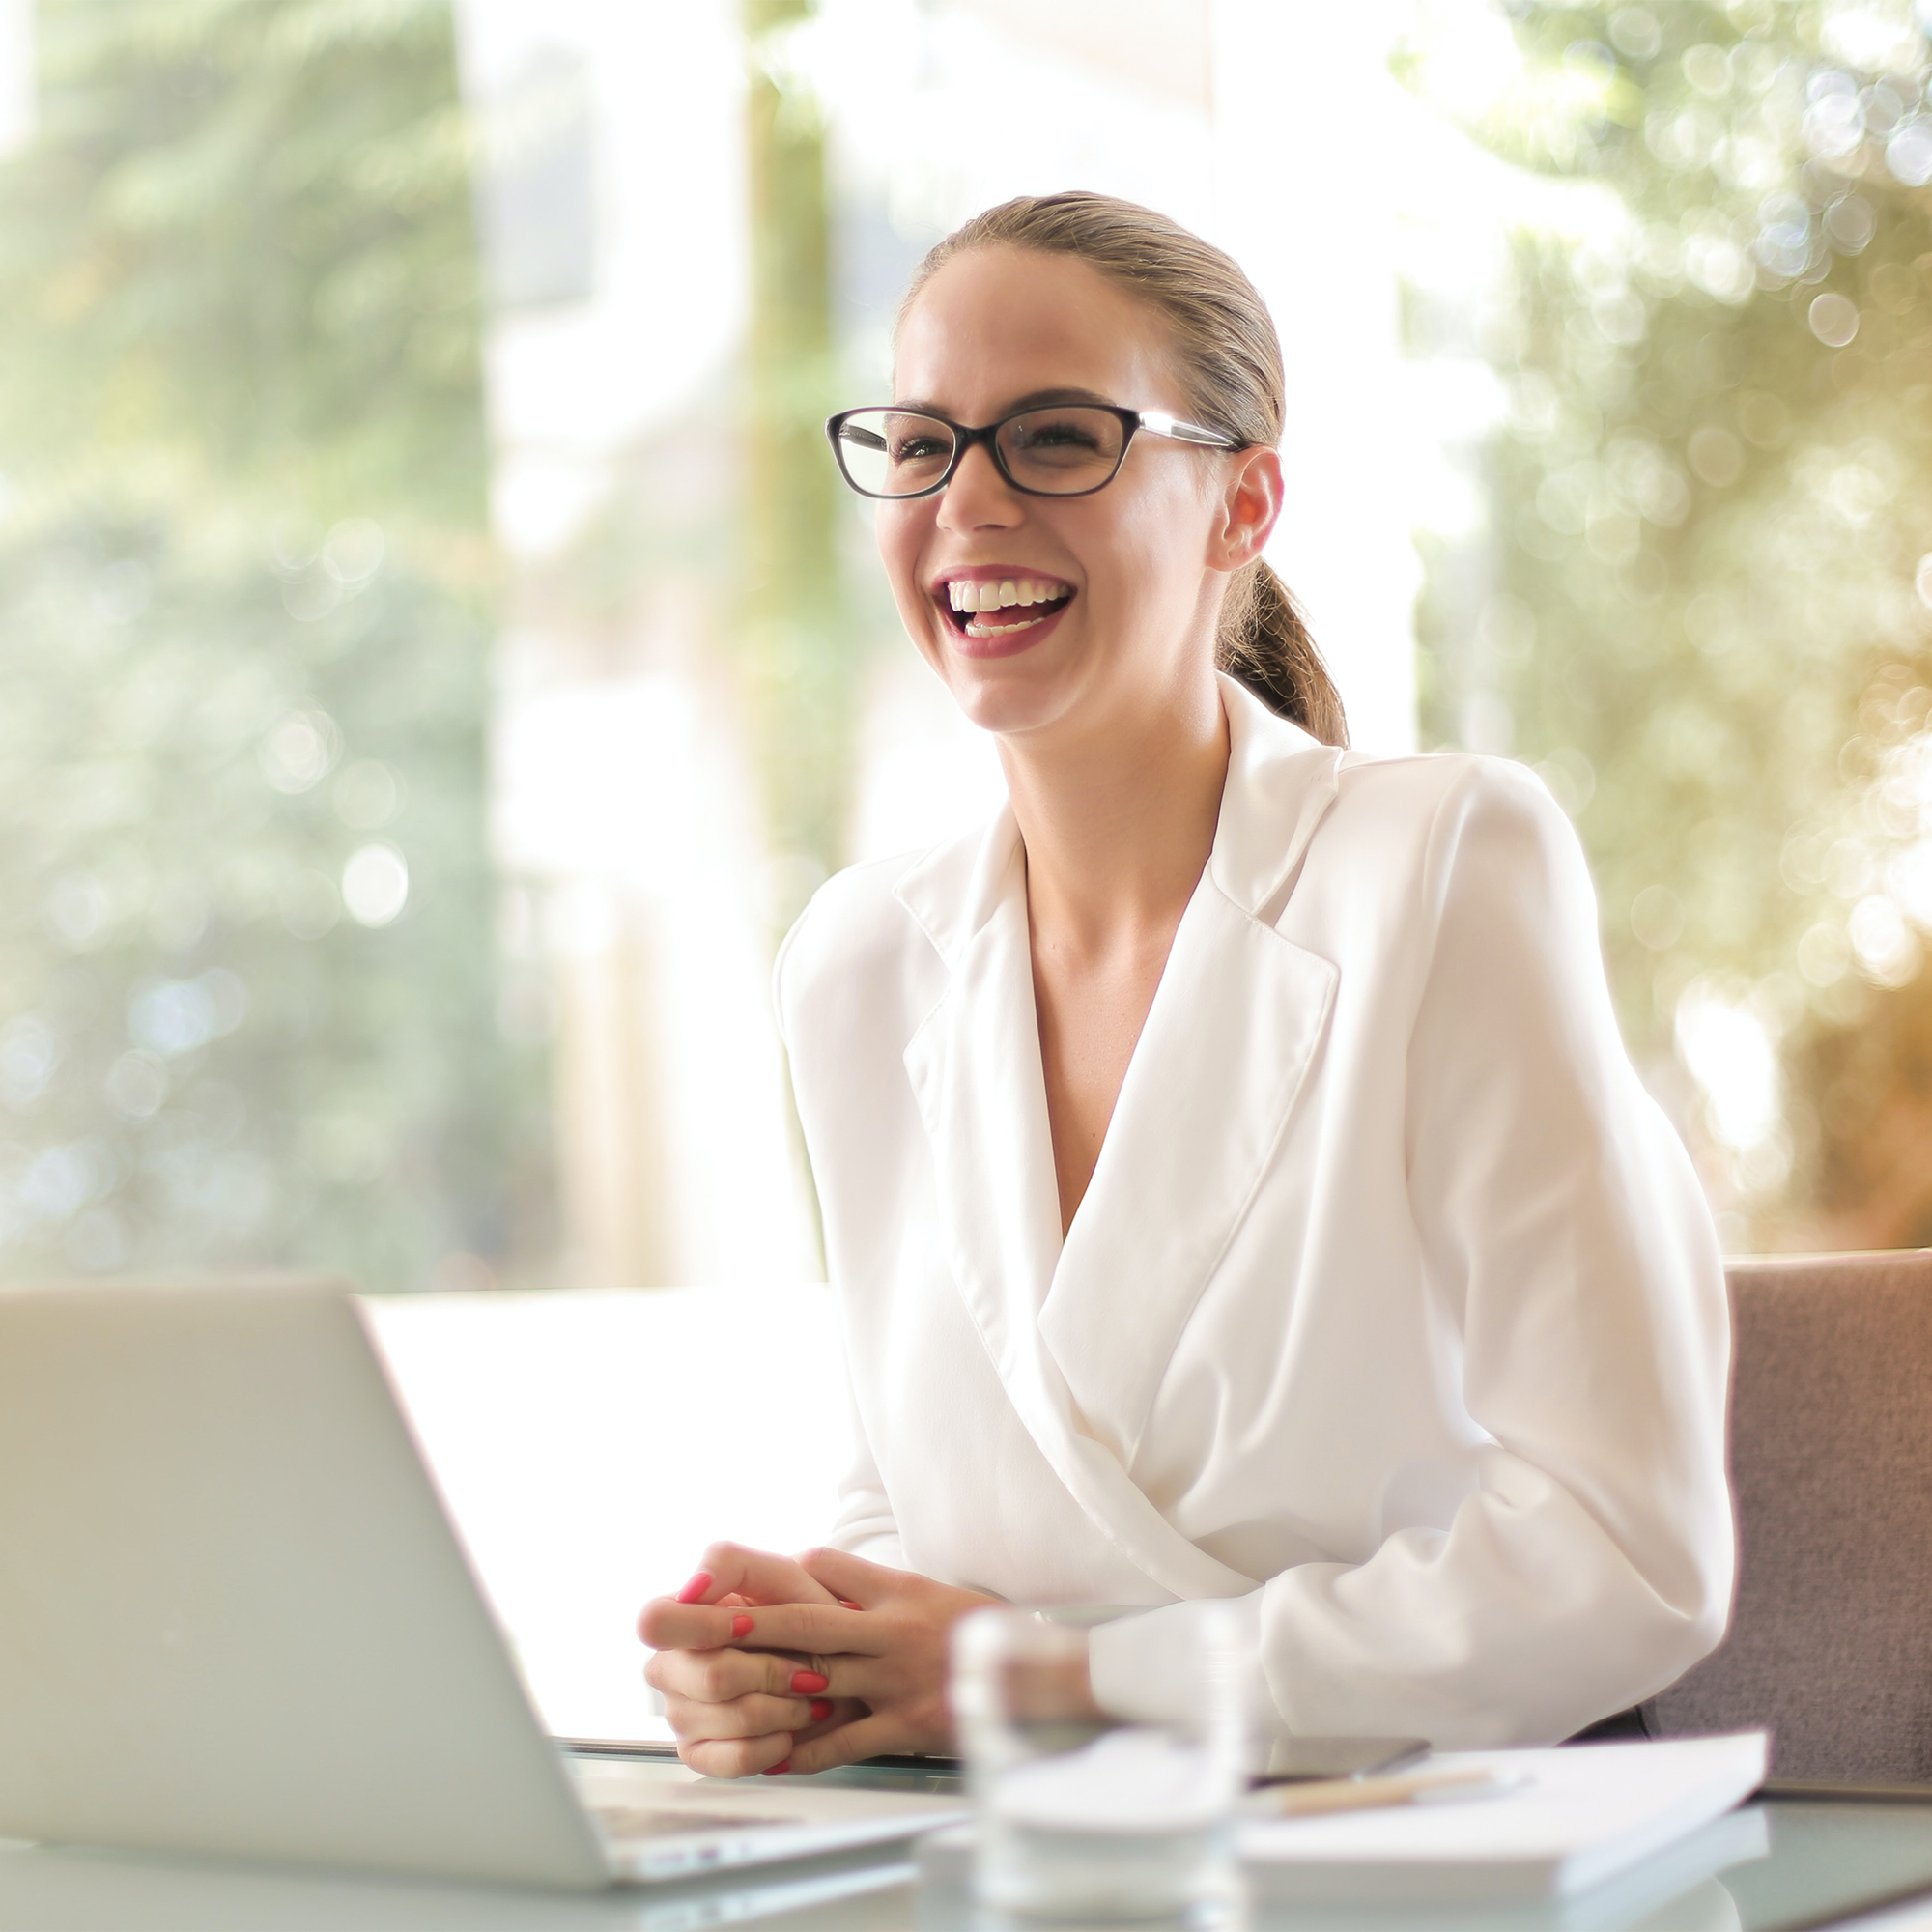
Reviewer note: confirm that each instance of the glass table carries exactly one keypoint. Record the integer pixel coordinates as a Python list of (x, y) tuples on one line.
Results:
[(1787, 1863)]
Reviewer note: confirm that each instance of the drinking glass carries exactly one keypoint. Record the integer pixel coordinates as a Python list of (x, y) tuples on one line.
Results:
[(1079, 1815)]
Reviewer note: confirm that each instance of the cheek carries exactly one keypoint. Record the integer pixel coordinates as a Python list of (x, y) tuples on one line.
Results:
[(902, 535), (1164, 545)]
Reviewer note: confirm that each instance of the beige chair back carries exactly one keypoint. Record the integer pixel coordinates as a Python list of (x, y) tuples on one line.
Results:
[(1830, 1646)]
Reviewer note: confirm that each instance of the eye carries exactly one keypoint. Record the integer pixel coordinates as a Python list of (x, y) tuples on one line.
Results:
[(919, 448), (1064, 432)]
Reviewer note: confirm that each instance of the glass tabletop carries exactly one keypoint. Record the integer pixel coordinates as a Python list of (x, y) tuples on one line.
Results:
[(1832, 1860), (1780, 1866)]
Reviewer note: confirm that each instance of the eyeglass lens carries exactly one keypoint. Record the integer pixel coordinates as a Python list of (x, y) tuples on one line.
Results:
[(1054, 452)]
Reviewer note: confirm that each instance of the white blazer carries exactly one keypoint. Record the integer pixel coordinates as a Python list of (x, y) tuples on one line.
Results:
[(1393, 1309)]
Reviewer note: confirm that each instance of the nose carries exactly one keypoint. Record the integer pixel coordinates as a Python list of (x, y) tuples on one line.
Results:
[(978, 497)]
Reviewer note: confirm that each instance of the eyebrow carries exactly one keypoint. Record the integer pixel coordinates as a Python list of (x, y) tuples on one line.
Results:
[(1039, 399)]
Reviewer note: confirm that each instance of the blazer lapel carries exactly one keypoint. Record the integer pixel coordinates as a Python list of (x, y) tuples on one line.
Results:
[(974, 1070), (1234, 1026), (1225, 1051), (975, 1074)]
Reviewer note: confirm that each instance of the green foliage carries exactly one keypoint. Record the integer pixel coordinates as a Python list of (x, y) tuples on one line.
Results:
[(1711, 501), (802, 657), (244, 245), (244, 603)]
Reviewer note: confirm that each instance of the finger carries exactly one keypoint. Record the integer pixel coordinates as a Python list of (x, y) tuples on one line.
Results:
[(850, 1578), (828, 1714), (736, 1758), (666, 1624), (818, 1629), (718, 1676), (729, 1569), (868, 1737), (756, 1717)]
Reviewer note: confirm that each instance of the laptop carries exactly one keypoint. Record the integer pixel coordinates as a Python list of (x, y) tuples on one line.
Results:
[(236, 1621)]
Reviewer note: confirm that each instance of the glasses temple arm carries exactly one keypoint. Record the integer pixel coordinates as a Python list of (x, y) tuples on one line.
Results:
[(1162, 424)]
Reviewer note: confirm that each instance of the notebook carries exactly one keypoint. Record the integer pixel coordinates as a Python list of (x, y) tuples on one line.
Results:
[(1579, 1816)]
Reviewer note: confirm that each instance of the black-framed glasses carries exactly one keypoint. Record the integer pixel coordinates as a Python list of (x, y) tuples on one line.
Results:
[(1068, 449)]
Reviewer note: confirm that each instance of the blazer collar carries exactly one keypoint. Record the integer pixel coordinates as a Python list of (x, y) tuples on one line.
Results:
[(956, 891), (1280, 785)]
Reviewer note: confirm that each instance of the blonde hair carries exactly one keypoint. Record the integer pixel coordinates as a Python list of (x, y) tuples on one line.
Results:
[(1230, 367)]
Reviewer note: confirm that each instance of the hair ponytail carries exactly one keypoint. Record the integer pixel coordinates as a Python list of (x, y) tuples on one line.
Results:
[(1228, 361), (1264, 642)]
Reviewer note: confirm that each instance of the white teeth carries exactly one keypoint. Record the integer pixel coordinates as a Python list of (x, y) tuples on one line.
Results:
[(968, 594)]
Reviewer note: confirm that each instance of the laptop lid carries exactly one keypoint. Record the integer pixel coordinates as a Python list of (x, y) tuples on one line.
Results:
[(233, 1618)]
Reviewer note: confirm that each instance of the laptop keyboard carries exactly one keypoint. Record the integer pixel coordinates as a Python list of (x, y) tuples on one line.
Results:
[(629, 1822)]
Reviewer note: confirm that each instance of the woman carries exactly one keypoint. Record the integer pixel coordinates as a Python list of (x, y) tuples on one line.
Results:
[(1233, 1179)]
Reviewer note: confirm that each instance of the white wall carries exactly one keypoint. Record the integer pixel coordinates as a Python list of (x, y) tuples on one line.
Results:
[(569, 385), (1307, 172), (589, 1447), (623, 800)]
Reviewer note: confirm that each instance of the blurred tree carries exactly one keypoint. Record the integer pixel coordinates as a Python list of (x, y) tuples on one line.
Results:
[(246, 984), (804, 658), (1706, 612)]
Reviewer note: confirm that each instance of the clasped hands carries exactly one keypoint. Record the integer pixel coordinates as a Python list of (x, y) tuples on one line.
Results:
[(776, 1664)]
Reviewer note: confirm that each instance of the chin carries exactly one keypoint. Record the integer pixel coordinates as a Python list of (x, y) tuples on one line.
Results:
[(1006, 697)]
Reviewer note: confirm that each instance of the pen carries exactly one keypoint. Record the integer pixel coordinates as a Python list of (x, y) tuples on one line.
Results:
[(1371, 1794)]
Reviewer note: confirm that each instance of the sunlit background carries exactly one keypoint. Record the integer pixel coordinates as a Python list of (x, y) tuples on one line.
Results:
[(439, 660)]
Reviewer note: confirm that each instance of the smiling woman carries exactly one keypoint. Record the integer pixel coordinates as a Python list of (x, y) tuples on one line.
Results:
[(1233, 1183)]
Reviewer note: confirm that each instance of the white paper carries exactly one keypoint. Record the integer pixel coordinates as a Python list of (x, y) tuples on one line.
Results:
[(1586, 1812)]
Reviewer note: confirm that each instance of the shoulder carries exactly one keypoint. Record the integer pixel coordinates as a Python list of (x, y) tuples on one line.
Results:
[(1367, 825), (1419, 788), (1411, 842), (859, 950), (1444, 807), (851, 924)]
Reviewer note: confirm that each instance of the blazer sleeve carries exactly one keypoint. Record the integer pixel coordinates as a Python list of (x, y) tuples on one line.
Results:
[(1572, 1272), (865, 1525)]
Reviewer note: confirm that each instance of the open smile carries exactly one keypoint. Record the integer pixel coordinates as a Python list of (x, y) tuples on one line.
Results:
[(1000, 609)]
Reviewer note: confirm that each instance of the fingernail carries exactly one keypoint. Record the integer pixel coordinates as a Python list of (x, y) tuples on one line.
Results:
[(741, 1626), (773, 1770), (821, 1709), (808, 1683), (846, 1603), (695, 1588)]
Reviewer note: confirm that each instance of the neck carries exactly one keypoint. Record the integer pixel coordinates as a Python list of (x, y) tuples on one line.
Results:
[(1118, 821)]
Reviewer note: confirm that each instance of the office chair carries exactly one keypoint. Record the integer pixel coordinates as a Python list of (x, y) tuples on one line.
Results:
[(1829, 1645)]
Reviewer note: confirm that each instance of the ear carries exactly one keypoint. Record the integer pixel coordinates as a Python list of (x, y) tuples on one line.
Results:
[(1250, 508)]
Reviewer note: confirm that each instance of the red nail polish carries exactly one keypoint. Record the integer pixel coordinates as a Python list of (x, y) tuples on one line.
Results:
[(741, 1626), (773, 1770), (821, 1708), (808, 1682), (695, 1590)]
